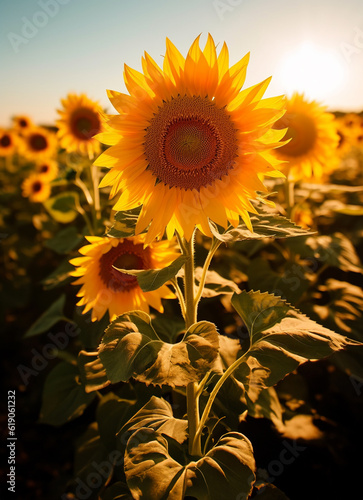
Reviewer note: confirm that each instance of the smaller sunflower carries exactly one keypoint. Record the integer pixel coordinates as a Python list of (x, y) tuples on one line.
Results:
[(313, 138), (36, 188), (8, 142), (351, 120), (38, 143), (105, 288), (80, 121), (47, 169), (22, 123)]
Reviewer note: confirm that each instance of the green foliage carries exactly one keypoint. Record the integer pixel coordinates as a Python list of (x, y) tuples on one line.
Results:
[(64, 396), (62, 207), (132, 348), (49, 318)]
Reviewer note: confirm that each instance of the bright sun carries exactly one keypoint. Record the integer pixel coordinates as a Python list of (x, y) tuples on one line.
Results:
[(313, 70)]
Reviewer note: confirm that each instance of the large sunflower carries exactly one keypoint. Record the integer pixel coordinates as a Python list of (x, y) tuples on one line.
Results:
[(38, 143), (36, 188), (187, 143), (8, 141), (313, 139), (105, 288), (80, 121)]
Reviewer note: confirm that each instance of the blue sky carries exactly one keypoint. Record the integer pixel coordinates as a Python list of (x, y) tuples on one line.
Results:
[(51, 47)]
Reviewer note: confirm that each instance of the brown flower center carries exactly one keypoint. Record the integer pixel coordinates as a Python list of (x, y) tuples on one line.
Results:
[(23, 123), (5, 141), (44, 168), (190, 143), (37, 186), (301, 131), (125, 256), (38, 142), (85, 123)]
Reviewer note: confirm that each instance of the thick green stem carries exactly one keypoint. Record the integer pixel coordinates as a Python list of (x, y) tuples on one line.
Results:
[(195, 448)]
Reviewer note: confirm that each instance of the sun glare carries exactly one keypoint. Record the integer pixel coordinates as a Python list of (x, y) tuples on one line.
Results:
[(313, 70)]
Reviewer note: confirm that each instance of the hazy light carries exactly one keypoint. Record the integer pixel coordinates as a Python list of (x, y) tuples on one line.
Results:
[(313, 70)]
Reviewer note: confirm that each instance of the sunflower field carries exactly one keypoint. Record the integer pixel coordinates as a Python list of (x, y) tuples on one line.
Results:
[(181, 290)]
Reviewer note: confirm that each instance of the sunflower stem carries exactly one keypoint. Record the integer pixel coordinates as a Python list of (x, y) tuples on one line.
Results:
[(179, 295), (289, 197), (192, 392), (214, 247)]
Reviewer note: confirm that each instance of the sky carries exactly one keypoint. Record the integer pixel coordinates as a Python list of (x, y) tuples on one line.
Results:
[(49, 48)]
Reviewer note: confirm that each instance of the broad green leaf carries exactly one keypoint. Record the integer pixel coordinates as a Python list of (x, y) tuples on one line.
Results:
[(131, 348), (66, 240), (125, 223), (152, 279), (62, 206), (215, 284), (60, 276), (259, 311), (169, 329), (64, 397), (49, 318), (157, 414), (334, 250), (92, 372), (226, 471), (264, 226), (291, 283), (112, 413)]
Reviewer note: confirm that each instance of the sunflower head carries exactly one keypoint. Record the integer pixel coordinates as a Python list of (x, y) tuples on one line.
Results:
[(22, 123), (106, 288), (48, 169), (36, 188), (38, 143), (8, 142), (188, 144), (312, 138), (80, 121)]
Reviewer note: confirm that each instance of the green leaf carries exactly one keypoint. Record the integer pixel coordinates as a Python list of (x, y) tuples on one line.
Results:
[(64, 397), (152, 279), (92, 372), (215, 284), (66, 240), (131, 348), (334, 250), (60, 276), (157, 414), (49, 318), (226, 471), (125, 223), (259, 311), (112, 413), (264, 226), (62, 206)]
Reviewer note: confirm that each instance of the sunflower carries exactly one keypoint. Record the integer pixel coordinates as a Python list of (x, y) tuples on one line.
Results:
[(105, 288), (36, 188), (313, 138), (80, 121), (48, 169), (188, 144), (22, 123), (38, 143), (8, 142)]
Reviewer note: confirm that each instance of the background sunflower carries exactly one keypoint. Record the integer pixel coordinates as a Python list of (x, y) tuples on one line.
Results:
[(38, 143), (36, 188)]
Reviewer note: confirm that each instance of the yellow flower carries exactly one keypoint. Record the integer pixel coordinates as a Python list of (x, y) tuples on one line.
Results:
[(8, 142), (22, 123), (188, 144), (313, 138), (105, 288), (80, 121), (38, 143), (47, 169), (36, 188)]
